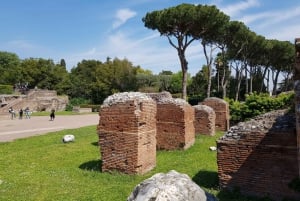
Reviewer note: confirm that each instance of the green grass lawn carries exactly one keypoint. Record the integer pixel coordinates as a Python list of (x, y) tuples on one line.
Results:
[(44, 113), (43, 168)]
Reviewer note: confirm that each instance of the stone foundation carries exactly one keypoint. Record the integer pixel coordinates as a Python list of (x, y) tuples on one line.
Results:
[(221, 109), (127, 133), (259, 157), (175, 124), (205, 118)]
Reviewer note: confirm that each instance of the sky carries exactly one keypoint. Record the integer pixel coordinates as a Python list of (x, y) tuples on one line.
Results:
[(74, 30)]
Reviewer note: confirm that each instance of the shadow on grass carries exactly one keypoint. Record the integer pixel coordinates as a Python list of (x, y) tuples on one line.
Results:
[(94, 165), (95, 143), (207, 179)]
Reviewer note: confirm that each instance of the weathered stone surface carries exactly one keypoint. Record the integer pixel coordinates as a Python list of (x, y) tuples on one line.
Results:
[(170, 186), (158, 96), (127, 133), (205, 118), (221, 108)]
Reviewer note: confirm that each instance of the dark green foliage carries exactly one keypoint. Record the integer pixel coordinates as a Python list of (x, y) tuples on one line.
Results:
[(256, 104), (295, 184), (195, 99), (76, 102), (6, 89)]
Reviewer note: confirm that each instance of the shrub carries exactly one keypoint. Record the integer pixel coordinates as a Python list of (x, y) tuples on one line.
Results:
[(76, 102), (6, 89), (195, 99), (256, 104)]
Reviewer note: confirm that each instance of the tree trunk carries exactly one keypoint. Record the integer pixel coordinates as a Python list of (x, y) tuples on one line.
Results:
[(184, 68), (209, 60), (275, 80), (263, 79), (246, 80), (239, 80), (224, 83)]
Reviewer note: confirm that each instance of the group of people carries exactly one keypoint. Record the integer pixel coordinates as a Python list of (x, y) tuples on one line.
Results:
[(26, 111)]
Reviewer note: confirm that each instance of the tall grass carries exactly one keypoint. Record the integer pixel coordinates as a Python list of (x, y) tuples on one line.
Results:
[(44, 168)]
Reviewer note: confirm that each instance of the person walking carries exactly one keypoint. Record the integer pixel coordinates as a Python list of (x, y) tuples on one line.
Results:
[(27, 113), (12, 113), (52, 115), (21, 113)]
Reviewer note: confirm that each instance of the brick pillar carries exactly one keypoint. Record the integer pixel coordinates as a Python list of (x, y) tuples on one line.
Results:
[(221, 108), (205, 119), (127, 133), (297, 95), (175, 124)]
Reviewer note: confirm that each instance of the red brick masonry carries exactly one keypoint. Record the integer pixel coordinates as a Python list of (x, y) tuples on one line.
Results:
[(221, 109), (259, 157), (175, 124), (205, 118), (127, 133)]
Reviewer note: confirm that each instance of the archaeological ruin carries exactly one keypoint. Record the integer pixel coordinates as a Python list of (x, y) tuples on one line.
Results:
[(35, 99), (221, 108), (175, 124), (127, 133), (205, 118), (261, 157)]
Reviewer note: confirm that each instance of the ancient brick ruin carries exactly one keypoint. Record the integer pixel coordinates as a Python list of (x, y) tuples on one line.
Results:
[(258, 157), (205, 118), (261, 157), (221, 108), (127, 133), (175, 124), (36, 100)]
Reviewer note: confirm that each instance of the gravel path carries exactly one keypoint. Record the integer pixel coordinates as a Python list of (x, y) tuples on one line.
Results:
[(14, 129)]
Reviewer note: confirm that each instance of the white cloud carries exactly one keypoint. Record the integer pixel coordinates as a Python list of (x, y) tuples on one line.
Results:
[(21, 44), (235, 9), (122, 16), (151, 52)]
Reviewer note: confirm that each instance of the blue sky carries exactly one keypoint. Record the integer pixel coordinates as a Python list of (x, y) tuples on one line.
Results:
[(92, 29)]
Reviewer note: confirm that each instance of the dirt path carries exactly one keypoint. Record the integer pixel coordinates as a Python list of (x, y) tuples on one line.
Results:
[(14, 129)]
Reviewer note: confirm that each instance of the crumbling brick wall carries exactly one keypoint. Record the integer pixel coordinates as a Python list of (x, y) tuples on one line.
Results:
[(221, 108), (258, 157), (127, 133), (175, 124), (205, 118)]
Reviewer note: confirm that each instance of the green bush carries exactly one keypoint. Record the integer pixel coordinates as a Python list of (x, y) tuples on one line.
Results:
[(76, 102), (6, 89), (256, 104), (195, 99)]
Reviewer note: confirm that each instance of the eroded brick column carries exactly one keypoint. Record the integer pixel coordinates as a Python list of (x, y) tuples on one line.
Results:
[(175, 124), (127, 133), (205, 118), (221, 108)]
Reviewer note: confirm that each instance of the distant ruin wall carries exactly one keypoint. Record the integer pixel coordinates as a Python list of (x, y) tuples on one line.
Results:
[(175, 124), (221, 108), (258, 157), (127, 133), (36, 100)]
